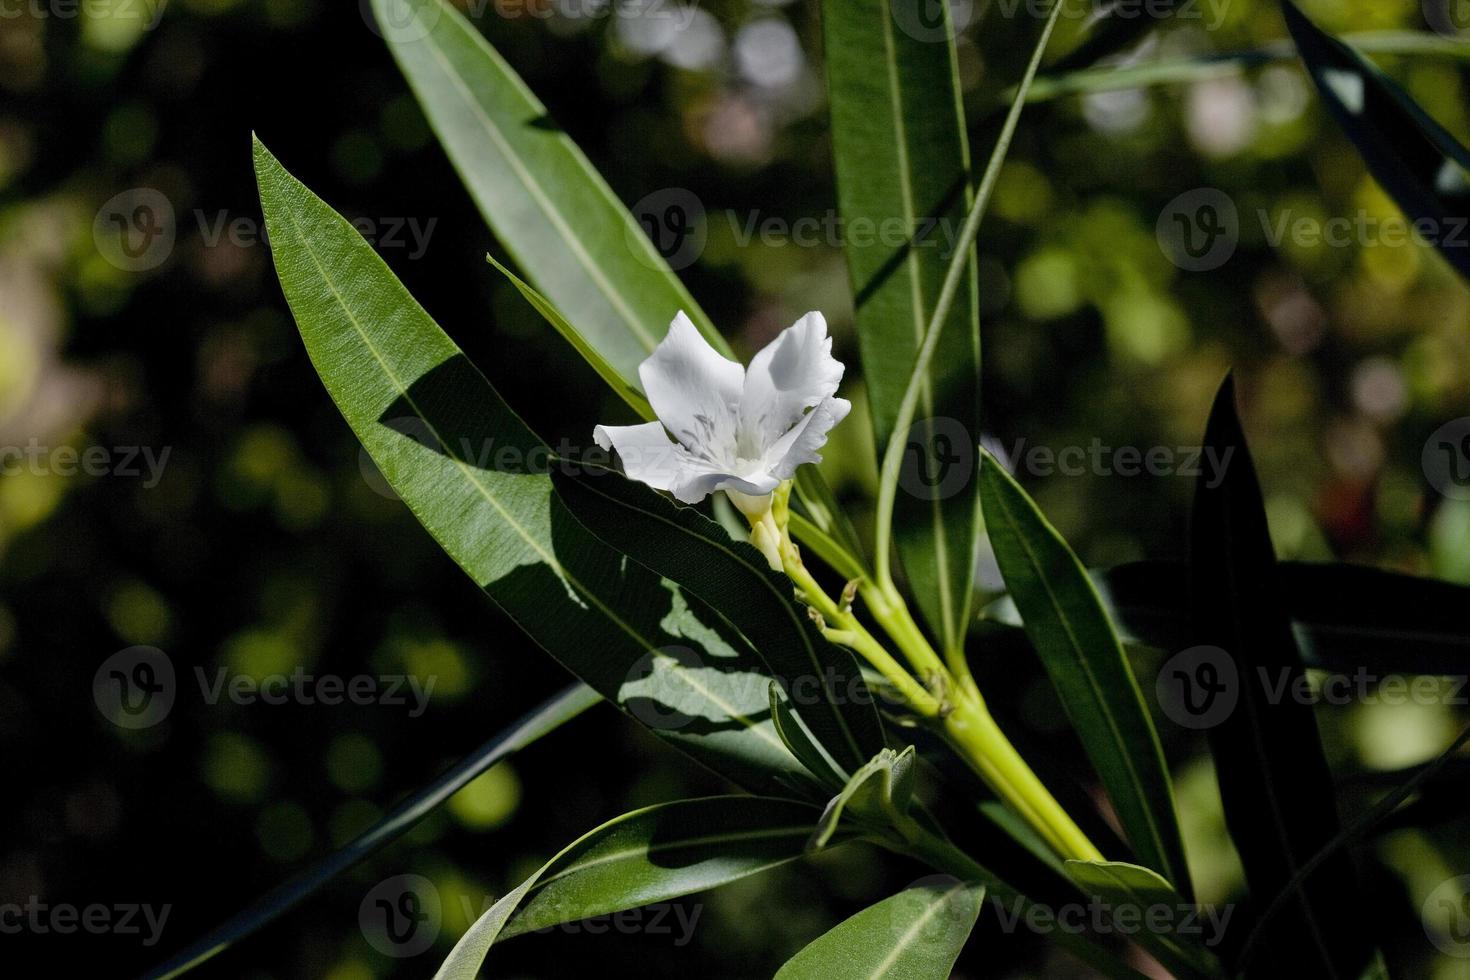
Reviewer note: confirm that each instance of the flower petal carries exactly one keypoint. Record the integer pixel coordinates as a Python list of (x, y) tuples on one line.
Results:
[(801, 443), (648, 454), (695, 486), (790, 375), (693, 389)]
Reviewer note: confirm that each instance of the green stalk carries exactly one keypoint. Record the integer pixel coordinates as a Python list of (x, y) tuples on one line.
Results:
[(980, 742)]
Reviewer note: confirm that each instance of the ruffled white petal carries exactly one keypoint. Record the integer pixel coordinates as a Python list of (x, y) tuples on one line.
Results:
[(790, 375), (800, 444), (648, 454), (693, 389), (731, 429)]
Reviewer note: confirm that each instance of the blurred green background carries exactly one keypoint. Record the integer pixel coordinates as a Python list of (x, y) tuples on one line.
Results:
[(265, 543)]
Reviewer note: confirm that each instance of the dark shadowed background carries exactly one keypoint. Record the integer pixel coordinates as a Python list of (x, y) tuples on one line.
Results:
[(176, 477)]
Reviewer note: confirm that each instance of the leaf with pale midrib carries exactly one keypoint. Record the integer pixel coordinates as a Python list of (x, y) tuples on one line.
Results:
[(425, 415)]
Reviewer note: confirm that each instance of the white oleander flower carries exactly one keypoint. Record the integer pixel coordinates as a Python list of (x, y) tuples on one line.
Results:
[(744, 431)]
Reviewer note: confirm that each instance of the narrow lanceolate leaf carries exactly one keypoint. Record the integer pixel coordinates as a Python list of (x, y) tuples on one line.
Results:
[(601, 281), (903, 164), (545, 719), (1424, 168), (914, 935), (1274, 781), (1129, 892), (879, 792), (651, 855), (799, 740), (604, 368), (545, 202), (1071, 632), (733, 578), (475, 476), (1346, 617)]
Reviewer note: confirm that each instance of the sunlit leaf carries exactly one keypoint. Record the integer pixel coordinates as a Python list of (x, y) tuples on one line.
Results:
[(475, 476)]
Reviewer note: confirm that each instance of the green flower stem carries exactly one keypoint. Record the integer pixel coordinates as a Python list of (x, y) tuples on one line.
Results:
[(980, 742), (948, 696), (840, 626)]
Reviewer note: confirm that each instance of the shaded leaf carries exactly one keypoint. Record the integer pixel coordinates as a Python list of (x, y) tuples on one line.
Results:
[(903, 163), (733, 577), (1274, 781), (428, 418), (880, 790), (1345, 616), (543, 720), (1071, 632), (1416, 160), (650, 855), (1129, 892)]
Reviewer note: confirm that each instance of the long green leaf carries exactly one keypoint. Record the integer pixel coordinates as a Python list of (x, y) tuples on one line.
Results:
[(1346, 617), (1274, 781), (914, 935), (598, 278), (1071, 632), (441, 436), (1128, 888), (605, 370), (543, 720), (1422, 167), (733, 578), (903, 163), (544, 200), (650, 855)]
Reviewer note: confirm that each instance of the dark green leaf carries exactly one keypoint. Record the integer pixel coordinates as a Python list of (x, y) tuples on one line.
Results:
[(1274, 781), (545, 202), (1071, 632), (278, 901), (430, 421), (1129, 892), (793, 732), (914, 935), (733, 577), (879, 792), (650, 855), (1346, 617), (903, 163), (1422, 167)]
